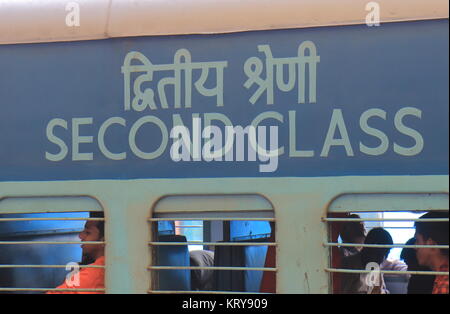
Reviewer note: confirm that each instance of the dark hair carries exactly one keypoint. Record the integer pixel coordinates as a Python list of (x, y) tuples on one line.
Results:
[(352, 230), (437, 231), (409, 255), (377, 255), (100, 224)]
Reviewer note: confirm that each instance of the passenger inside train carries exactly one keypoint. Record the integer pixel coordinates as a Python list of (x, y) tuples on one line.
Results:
[(411, 259), (92, 255), (352, 232), (418, 284), (434, 233), (363, 283), (202, 279)]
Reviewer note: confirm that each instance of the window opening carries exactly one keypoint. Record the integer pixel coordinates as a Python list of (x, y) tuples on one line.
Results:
[(212, 251), (37, 245), (394, 270)]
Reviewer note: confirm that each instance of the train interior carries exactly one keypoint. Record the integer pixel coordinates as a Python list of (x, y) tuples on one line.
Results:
[(240, 251), (21, 250), (401, 232), (26, 250), (210, 255)]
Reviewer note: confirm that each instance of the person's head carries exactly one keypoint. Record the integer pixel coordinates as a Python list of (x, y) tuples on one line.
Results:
[(409, 255), (93, 231), (353, 231), (377, 255), (431, 233)]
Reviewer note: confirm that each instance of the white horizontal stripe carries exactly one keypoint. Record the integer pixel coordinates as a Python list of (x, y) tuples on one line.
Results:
[(392, 272), (211, 268), (387, 245), (26, 21), (214, 243)]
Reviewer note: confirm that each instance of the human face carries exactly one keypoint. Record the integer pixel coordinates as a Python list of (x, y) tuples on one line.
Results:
[(424, 255), (361, 241), (91, 233)]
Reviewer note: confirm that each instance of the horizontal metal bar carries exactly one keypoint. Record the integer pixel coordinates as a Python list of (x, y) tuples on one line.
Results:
[(49, 266), (51, 219), (41, 232), (210, 268), (182, 227), (325, 219), (213, 243), (51, 289), (387, 245), (199, 292), (211, 219), (392, 272), (49, 242)]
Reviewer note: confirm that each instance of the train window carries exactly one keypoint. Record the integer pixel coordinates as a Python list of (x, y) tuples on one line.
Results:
[(351, 218), (40, 244), (219, 244)]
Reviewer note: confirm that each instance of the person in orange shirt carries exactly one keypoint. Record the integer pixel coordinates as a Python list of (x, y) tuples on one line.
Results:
[(93, 255), (434, 233)]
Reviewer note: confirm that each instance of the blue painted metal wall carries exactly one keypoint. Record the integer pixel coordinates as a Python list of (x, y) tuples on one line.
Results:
[(391, 67)]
